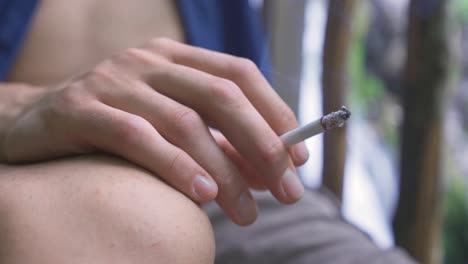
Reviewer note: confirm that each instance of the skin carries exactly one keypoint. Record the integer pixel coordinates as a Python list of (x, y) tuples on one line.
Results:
[(97, 209), (70, 37), (148, 103)]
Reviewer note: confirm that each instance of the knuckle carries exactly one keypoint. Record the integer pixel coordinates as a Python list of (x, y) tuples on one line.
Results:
[(226, 93), (139, 56), (187, 122), (286, 115), (134, 53), (227, 179), (161, 45), (131, 130), (161, 42), (70, 97), (243, 67), (103, 71), (99, 80), (274, 153), (176, 158)]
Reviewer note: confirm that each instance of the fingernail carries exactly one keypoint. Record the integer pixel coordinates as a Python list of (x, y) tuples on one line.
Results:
[(300, 153), (205, 188), (246, 210), (292, 186)]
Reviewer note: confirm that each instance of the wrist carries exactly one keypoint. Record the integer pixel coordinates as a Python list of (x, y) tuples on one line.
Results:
[(15, 100)]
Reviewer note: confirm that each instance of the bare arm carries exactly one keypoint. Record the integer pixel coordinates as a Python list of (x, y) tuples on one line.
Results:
[(151, 105), (15, 99), (91, 208)]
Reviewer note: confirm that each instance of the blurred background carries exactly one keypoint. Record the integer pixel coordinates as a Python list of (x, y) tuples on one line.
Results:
[(400, 167)]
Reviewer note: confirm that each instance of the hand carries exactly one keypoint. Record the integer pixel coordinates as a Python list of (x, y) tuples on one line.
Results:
[(152, 105)]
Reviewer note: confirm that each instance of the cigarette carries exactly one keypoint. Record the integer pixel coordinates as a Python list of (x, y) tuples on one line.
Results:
[(325, 123)]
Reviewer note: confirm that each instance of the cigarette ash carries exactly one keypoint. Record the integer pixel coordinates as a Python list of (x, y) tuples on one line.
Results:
[(335, 119)]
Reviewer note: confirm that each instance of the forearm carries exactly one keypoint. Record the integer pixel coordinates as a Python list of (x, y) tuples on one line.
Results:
[(15, 99), (150, 105)]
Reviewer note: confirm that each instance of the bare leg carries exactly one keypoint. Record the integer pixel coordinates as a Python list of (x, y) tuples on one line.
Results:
[(97, 209)]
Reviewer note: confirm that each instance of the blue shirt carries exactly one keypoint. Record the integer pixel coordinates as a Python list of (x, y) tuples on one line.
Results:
[(230, 26)]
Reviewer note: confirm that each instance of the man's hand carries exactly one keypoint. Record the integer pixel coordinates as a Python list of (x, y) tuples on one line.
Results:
[(152, 105)]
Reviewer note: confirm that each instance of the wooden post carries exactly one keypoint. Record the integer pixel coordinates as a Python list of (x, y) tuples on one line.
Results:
[(417, 220), (334, 82)]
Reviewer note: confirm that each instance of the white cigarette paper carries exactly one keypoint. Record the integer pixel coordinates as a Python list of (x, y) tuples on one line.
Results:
[(327, 122)]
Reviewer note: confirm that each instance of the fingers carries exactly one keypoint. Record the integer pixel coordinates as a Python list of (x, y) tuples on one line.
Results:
[(245, 75), (184, 128), (223, 104), (133, 138), (249, 173), (153, 114)]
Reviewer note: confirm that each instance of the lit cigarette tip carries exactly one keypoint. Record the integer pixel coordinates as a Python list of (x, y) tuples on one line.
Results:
[(327, 122), (345, 113), (335, 119)]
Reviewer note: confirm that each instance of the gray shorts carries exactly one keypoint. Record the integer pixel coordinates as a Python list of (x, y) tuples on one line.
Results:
[(311, 231)]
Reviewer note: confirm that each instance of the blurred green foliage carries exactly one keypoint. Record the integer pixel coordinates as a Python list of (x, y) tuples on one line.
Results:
[(455, 235), (366, 88), (455, 232), (368, 93), (460, 10)]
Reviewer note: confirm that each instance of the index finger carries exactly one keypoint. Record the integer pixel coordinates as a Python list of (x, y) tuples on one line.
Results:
[(221, 103), (247, 76)]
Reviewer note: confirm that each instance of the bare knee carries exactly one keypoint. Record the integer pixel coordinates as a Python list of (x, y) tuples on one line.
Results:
[(158, 222), (103, 210)]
